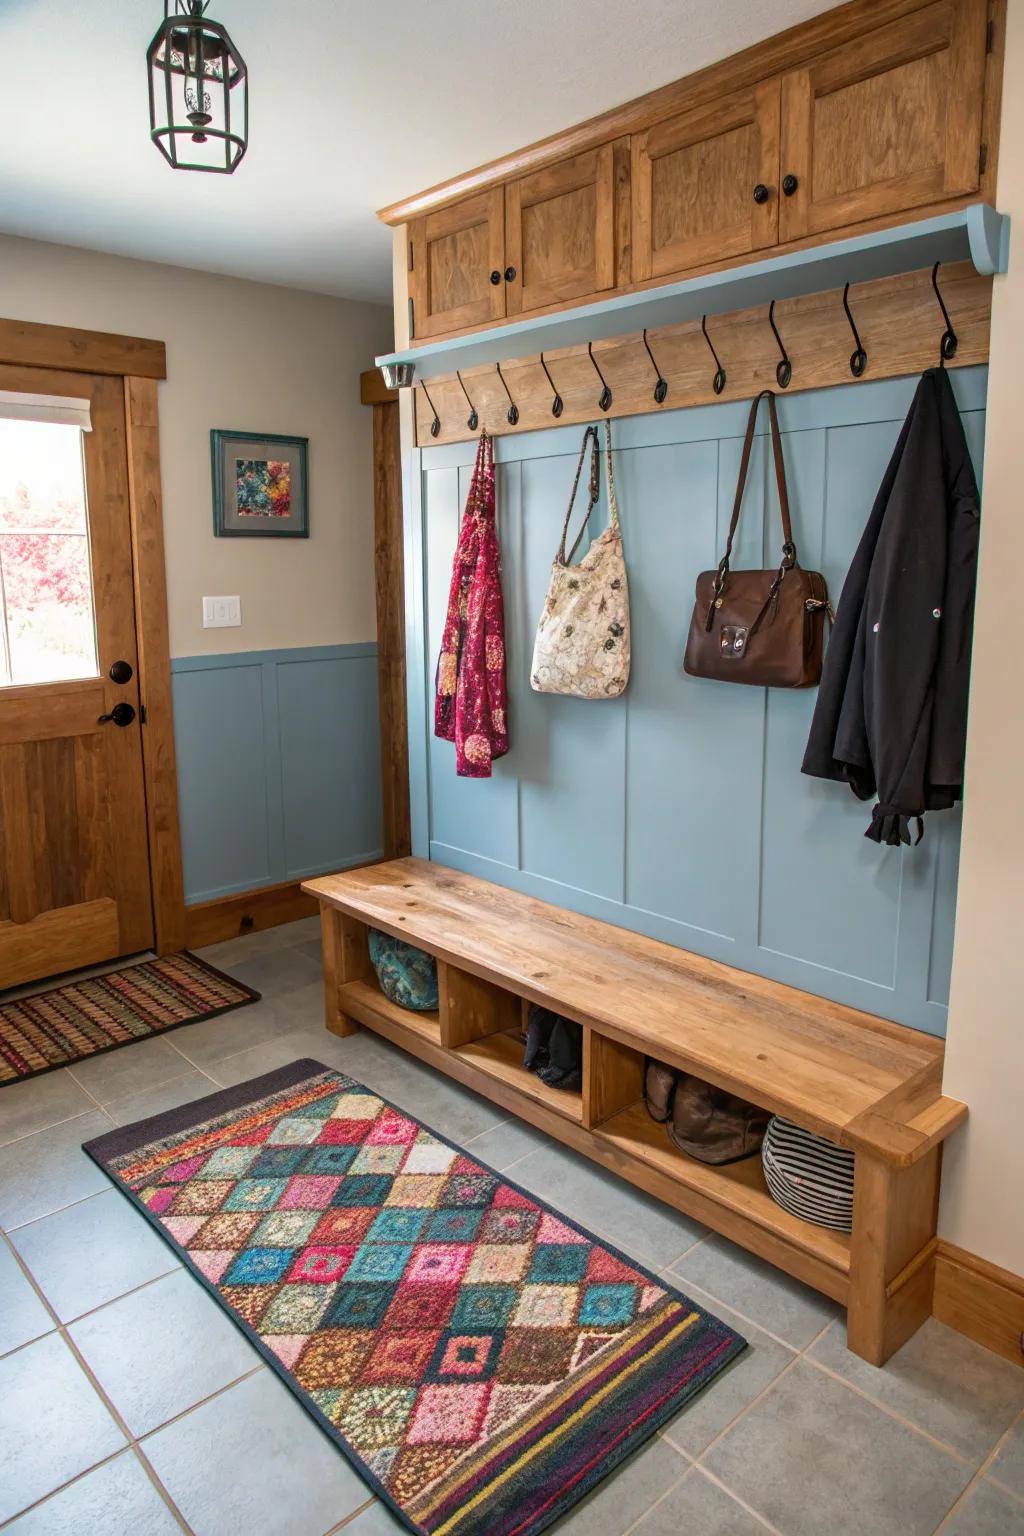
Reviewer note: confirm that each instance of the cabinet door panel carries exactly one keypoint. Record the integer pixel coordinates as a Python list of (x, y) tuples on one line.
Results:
[(454, 252), (887, 123), (560, 231), (693, 184)]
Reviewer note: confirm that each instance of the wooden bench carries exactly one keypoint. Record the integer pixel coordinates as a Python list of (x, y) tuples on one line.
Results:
[(861, 1081)]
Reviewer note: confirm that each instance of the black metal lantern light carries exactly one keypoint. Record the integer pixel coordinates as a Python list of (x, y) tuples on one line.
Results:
[(198, 91)]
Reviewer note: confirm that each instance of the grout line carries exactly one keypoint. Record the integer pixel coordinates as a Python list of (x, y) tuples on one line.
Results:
[(770, 1387), (164, 1492), (84, 1089), (175, 1418), (122, 1450), (720, 1301), (755, 1514), (892, 1413), (53, 1126), (642, 1516), (350, 1517), (58, 1209), (985, 1469)]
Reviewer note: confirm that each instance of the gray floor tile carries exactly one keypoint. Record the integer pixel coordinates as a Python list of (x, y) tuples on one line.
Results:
[(117, 1074), (22, 1315), (276, 971), (697, 1506), (118, 1499), (1008, 1466), (212, 1039), (162, 1350), (959, 1392), (180, 1090), (506, 1144), (44, 1172), (652, 1232), (735, 1388), (987, 1511), (813, 1457), (261, 1058), (252, 1460), (303, 1008), (91, 1253), (624, 1496), (773, 1300), (53, 1424), (39, 1102)]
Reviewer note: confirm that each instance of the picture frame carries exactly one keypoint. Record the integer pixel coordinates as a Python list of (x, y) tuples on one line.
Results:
[(260, 485)]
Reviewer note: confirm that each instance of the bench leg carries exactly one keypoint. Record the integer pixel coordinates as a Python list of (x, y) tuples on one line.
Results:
[(346, 958), (892, 1268)]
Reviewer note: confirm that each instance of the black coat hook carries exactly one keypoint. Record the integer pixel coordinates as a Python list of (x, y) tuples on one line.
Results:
[(557, 404), (718, 382), (858, 357), (783, 368), (605, 398), (435, 425), (512, 414), (950, 341), (661, 387), (473, 420)]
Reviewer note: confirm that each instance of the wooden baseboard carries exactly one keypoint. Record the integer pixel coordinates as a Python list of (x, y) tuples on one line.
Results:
[(981, 1300), (211, 922)]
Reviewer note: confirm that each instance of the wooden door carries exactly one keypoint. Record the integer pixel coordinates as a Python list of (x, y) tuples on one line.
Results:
[(457, 278), (889, 122), (74, 862), (560, 232), (705, 184)]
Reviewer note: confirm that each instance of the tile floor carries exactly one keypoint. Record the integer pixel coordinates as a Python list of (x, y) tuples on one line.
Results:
[(130, 1406)]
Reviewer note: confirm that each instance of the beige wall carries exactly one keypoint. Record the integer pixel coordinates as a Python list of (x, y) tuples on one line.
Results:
[(251, 357), (983, 1178)]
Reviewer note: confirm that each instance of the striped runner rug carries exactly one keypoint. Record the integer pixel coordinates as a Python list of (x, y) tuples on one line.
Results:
[(481, 1359), (83, 1018)]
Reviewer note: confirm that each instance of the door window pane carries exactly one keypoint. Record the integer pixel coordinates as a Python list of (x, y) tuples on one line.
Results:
[(47, 624)]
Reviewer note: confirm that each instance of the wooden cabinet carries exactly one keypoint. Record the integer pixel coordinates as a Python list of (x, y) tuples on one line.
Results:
[(560, 232), (457, 276), (705, 184), (891, 121)]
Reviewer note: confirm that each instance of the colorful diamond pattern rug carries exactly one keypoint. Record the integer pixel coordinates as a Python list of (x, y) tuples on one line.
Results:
[(83, 1018), (481, 1359)]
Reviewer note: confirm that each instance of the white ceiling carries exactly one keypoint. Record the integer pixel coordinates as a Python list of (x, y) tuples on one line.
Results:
[(353, 105)]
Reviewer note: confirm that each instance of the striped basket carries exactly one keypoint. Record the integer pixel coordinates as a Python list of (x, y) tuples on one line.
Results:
[(807, 1175)]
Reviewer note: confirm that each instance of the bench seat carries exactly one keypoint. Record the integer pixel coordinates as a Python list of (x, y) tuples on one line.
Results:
[(859, 1080)]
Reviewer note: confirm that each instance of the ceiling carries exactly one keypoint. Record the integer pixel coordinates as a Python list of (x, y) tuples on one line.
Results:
[(353, 105)]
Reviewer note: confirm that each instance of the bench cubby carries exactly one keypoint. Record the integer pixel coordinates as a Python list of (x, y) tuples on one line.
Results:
[(861, 1081)]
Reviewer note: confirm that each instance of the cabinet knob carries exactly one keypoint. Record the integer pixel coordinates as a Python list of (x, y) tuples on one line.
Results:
[(510, 274), (761, 193), (495, 277), (789, 185)]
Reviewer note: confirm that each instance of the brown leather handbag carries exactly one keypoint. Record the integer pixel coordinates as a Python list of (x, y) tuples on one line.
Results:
[(760, 627)]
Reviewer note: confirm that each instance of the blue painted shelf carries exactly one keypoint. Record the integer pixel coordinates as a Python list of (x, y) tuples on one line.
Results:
[(977, 233)]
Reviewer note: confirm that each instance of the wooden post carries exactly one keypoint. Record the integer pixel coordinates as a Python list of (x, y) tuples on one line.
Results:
[(346, 958), (892, 1273)]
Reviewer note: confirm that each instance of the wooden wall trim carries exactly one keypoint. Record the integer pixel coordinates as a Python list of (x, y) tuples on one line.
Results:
[(152, 632), (26, 344), (388, 538), (229, 917), (787, 50), (981, 1300)]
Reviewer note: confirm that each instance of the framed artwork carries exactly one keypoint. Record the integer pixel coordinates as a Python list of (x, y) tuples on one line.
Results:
[(260, 485)]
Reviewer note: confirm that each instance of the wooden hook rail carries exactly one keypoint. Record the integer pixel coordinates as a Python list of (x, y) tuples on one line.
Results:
[(898, 325)]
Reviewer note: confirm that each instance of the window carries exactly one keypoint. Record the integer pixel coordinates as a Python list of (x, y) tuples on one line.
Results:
[(47, 623)]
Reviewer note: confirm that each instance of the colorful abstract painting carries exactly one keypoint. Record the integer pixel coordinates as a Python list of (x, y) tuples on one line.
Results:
[(481, 1359), (263, 487)]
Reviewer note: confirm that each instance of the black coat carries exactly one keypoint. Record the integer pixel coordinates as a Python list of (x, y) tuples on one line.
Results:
[(891, 714)]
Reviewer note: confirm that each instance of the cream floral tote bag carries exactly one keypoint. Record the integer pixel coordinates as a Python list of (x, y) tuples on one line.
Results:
[(582, 645)]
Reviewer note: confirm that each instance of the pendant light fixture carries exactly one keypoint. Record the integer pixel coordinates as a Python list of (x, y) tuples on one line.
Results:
[(198, 91)]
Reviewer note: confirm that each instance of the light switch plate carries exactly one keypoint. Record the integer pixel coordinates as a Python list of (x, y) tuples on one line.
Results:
[(222, 612)]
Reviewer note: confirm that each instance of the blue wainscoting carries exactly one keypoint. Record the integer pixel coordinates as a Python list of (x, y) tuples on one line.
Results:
[(278, 765), (679, 810)]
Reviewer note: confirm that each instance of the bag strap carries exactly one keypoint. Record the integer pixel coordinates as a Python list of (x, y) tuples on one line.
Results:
[(788, 559), (613, 500), (478, 500), (590, 435)]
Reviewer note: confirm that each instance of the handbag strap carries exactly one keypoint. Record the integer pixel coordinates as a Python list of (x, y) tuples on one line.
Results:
[(479, 500), (788, 559), (593, 490)]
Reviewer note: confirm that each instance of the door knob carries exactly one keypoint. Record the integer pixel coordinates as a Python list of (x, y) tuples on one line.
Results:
[(121, 672), (761, 193), (789, 185), (121, 714)]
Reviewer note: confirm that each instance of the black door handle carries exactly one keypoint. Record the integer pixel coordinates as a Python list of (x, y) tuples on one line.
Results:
[(121, 714)]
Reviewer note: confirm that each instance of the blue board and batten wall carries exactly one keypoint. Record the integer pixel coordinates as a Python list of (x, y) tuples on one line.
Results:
[(679, 810), (278, 765)]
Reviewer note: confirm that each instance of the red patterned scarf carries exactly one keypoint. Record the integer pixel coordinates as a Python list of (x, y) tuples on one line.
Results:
[(471, 699)]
